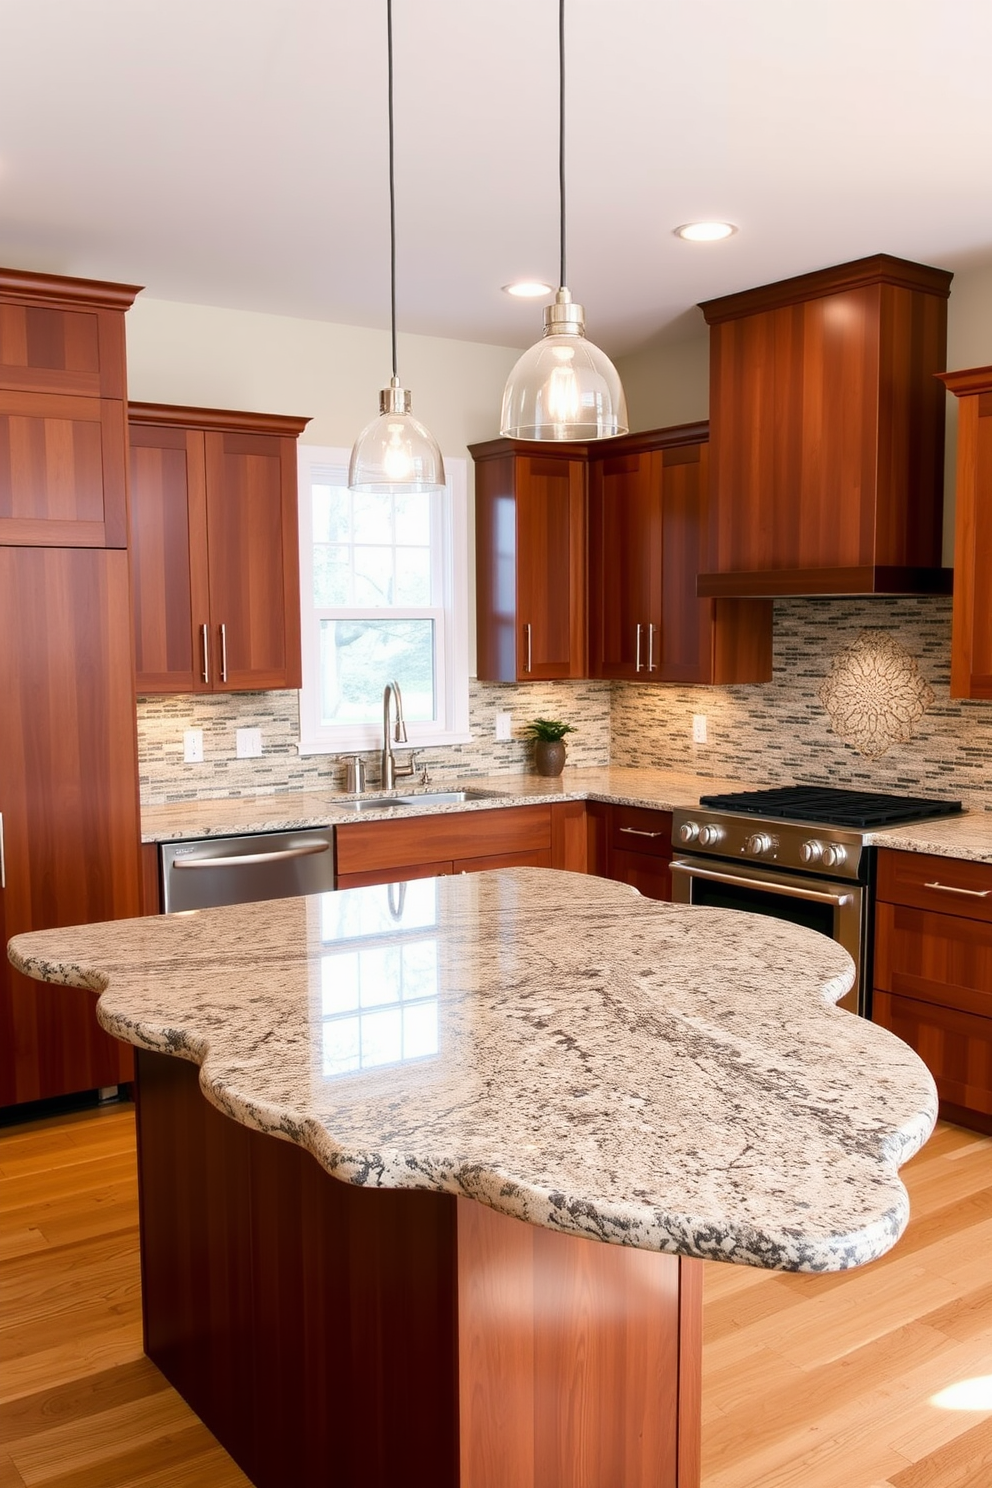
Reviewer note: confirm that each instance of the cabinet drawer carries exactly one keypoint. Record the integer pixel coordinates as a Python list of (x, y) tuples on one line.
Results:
[(941, 959), (956, 1047), (637, 829), (951, 886), (365, 846), (650, 876)]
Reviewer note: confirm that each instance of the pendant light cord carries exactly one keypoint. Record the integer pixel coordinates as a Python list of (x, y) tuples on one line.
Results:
[(392, 189), (561, 141)]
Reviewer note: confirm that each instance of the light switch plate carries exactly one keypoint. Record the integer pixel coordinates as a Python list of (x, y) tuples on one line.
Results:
[(503, 724), (193, 746), (699, 728), (249, 743)]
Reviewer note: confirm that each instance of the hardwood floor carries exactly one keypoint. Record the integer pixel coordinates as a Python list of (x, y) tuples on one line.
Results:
[(809, 1382)]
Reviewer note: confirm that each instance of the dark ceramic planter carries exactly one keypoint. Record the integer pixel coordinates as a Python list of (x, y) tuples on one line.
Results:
[(549, 756)]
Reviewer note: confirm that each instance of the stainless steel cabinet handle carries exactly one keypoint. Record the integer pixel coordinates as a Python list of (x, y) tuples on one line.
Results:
[(223, 653), (3, 865), (637, 650), (205, 639), (951, 889), (530, 649), (246, 859), (651, 665), (788, 891), (636, 832)]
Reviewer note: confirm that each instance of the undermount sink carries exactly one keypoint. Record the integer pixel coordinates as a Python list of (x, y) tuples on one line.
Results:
[(421, 798)]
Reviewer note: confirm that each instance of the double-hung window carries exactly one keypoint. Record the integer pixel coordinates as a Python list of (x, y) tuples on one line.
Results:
[(383, 582)]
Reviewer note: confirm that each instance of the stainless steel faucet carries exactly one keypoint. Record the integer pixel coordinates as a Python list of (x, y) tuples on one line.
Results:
[(389, 771)]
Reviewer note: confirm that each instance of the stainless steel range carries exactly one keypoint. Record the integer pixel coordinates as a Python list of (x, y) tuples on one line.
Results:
[(797, 853)]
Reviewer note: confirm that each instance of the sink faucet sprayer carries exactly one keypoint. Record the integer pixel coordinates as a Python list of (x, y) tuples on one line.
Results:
[(390, 773)]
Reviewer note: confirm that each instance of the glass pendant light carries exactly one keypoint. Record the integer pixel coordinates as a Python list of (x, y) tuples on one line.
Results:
[(564, 387), (395, 453)]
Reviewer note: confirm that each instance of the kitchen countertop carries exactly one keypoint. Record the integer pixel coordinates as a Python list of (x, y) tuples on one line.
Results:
[(579, 1057), (967, 836)]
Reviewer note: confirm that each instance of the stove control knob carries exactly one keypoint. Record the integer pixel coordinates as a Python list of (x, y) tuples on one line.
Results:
[(758, 843), (833, 856), (688, 831), (710, 835), (811, 851)]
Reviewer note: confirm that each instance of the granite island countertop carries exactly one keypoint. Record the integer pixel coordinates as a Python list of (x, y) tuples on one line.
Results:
[(966, 836), (548, 1043)]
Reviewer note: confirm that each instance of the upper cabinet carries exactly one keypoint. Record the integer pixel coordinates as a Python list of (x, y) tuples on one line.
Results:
[(827, 433), (648, 498), (214, 549), (62, 410), (530, 521), (971, 641)]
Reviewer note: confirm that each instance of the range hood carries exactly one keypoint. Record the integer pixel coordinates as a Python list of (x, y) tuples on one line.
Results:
[(827, 433)]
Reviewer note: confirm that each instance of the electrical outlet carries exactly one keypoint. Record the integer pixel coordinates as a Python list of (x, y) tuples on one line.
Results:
[(249, 743), (699, 728), (193, 746), (503, 723)]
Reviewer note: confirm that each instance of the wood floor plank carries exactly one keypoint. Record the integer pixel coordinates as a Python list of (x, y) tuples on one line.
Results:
[(965, 1462), (35, 1414)]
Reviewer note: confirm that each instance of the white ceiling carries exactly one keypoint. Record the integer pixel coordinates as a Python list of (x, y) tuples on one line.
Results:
[(233, 152)]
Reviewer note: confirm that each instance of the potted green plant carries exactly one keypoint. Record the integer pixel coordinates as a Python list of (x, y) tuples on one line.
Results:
[(549, 743)]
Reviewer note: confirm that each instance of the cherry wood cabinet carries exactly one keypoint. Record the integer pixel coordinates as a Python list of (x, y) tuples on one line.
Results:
[(827, 433), (68, 797), (530, 520), (214, 549), (648, 504), (933, 973), (464, 1349), (371, 852), (971, 637), (62, 390)]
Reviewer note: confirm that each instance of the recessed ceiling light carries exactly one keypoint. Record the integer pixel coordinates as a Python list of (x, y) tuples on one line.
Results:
[(527, 289), (705, 232)]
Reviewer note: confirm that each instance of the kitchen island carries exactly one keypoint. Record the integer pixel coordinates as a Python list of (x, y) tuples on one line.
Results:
[(469, 1053)]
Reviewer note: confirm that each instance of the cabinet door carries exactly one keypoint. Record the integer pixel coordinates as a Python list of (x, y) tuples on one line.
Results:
[(253, 555), (69, 799), (971, 638), (62, 479), (62, 470), (169, 588), (551, 567), (625, 563)]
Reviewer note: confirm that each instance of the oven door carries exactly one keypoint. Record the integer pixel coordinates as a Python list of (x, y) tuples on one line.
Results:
[(831, 906)]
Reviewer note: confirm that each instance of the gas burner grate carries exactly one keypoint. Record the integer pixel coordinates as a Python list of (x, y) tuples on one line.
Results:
[(831, 806)]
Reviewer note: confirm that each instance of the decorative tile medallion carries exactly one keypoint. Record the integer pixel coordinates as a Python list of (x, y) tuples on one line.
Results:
[(874, 693)]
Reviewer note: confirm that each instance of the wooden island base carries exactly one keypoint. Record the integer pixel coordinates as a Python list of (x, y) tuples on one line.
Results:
[(374, 1338)]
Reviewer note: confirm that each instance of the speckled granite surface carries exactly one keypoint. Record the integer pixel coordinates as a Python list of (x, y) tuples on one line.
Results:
[(967, 836), (550, 1044)]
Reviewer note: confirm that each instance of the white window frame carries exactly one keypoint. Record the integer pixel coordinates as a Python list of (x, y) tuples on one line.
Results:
[(449, 544)]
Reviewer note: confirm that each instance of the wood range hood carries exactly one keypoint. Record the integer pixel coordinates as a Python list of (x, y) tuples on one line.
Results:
[(827, 433)]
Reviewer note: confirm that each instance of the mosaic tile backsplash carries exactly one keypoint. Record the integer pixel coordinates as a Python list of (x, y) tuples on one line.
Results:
[(165, 777), (774, 733), (780, 732)]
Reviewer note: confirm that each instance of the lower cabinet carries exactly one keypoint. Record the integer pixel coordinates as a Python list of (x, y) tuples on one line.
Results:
[(632, 844), (456, 842), (933, 973)]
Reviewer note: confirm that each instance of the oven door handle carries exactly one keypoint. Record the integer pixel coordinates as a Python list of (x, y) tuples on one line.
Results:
[(789, 891)]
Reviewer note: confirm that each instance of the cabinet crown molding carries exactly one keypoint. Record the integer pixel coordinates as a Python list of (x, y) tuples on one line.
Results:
[(970, 380), (216, 418), (880, 268), (53, 289)]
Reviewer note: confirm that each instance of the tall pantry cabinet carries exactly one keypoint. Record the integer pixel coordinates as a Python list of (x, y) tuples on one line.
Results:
[(68, 751)]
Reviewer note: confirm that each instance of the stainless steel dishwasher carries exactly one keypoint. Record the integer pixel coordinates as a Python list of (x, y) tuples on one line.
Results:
[(201, 872)]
